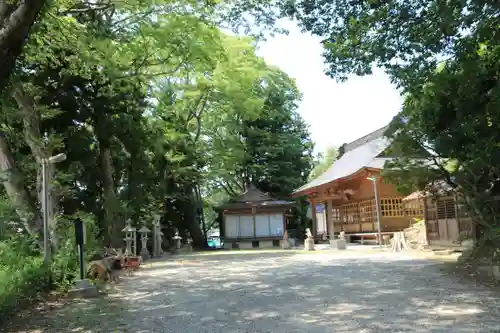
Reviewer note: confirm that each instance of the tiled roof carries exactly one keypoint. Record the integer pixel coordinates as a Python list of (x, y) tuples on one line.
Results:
[(252, 194), (361, 153), (254, 198)]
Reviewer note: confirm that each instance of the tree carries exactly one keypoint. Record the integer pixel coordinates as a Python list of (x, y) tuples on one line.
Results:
[(16, 20), (455, 119), (408, 38), (324, 161)]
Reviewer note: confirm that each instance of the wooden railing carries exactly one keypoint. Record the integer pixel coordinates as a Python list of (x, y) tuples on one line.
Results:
[(362, 216)]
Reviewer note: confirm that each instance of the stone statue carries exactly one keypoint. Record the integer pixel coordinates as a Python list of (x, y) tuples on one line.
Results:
[(157, 237), (341, 242), (309, 242)]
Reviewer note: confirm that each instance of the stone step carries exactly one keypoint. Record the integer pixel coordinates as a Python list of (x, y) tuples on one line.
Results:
[(444, 251)]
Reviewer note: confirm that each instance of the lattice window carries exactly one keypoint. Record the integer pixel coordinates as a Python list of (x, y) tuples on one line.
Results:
[(392, 207), (336, 214), (414, 208), (446, 208), (367, 211), (351, 213)]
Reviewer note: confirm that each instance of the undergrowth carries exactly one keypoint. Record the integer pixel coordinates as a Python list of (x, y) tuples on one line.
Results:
[(23, 276)]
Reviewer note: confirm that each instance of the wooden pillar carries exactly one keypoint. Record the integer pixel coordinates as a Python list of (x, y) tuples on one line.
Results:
[(314, 219), (329, 219), (341, 213), (253, 217)]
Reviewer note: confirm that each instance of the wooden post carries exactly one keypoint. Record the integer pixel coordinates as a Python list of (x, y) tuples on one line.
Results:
[(314, 219), (284, 223), (329, 218), (253, 216)]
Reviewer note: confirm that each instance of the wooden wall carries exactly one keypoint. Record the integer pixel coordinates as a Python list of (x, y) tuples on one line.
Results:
[(358, 214)]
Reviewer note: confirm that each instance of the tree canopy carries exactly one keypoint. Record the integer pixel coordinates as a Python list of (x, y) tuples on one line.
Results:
[(158, 111), (408, 38), (324, 161)]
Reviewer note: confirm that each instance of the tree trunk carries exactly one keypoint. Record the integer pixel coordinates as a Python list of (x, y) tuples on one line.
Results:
[(16, 19), (110, 204), (192, 223), (18, 194), (199, 212), (32, 134)]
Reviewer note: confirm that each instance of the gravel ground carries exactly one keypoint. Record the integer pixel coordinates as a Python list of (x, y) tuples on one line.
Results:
[(278, 293)]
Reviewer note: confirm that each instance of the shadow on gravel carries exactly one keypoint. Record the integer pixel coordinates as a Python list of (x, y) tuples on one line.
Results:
[(282, 293)]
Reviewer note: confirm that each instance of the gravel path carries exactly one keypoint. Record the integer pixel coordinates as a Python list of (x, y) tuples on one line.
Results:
[(282, 292)]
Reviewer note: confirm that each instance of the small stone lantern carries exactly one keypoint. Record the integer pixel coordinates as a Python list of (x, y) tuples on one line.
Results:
[(130, 239), (144, 242), (177, 240)]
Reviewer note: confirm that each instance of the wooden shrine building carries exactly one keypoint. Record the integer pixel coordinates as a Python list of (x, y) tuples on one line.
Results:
[(347, 191), (253, 220), (447, 220)]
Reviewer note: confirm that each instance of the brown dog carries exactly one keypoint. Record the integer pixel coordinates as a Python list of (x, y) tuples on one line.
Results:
[(106, 269)]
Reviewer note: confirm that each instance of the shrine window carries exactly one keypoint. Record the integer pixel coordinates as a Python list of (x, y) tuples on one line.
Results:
[(391, 207), (446, 208)]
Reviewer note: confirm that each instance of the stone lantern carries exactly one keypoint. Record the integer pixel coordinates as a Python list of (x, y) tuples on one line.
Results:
[(130, 239), (177, 240), (144, 242)]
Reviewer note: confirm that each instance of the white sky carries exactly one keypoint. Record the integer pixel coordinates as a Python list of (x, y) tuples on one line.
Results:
[(336, 112)]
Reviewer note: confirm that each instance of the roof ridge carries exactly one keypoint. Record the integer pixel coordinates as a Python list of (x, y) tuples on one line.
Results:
[(365, 139)]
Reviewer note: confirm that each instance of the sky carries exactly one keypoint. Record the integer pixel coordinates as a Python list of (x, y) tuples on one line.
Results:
[(336, 112)]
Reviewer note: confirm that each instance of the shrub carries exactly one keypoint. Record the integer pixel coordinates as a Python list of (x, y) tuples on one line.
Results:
[(22, 276)]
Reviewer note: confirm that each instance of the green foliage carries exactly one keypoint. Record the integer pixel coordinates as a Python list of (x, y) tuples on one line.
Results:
[(158, 112), (408, 38), (324, 161), (22, 275), (463, 144)]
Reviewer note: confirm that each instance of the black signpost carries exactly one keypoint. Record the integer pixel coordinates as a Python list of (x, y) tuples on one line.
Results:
[(79, 237), (82, 286)]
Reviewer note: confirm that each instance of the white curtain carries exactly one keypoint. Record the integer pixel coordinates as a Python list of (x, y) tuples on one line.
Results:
[(246, 226), (232, 226), (276, 224), (262, 225)]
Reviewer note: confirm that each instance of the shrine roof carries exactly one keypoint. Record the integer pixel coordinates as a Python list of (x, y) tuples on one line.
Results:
[(252, 197), (439, 188), (359, 154)]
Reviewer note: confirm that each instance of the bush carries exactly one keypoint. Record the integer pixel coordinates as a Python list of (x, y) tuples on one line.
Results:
[(22, 276)]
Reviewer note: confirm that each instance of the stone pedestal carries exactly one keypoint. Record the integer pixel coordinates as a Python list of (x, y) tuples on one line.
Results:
[(309, 244), (341, 244), (496, 273), (285, 244), (83, 289)]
